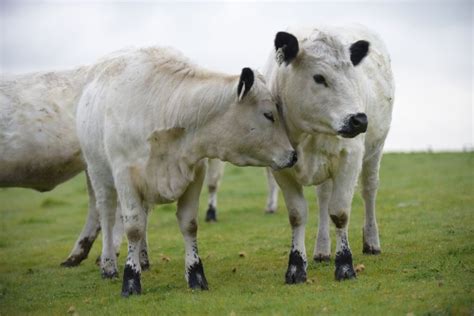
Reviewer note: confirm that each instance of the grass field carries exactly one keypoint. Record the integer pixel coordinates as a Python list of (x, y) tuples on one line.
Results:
[(425, 215)]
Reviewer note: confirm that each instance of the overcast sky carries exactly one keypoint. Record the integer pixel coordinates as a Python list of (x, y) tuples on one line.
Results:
[(430, 45)]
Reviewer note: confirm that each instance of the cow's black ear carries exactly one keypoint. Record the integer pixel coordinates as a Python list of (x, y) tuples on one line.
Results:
[(286, 46), (359, 50), (245, 83)]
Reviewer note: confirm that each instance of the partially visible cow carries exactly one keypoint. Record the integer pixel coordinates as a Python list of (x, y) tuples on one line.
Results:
[(146, 122), (38, 141), (332, 86)]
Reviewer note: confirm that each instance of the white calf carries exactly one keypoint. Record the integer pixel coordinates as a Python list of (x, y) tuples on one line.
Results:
[(328, 91), (146, 122)]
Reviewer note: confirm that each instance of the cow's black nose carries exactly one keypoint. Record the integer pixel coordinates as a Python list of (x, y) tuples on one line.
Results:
[(358, 123), (294, 157)]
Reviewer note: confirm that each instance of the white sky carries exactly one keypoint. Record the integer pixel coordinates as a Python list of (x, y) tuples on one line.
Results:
[(430, 45)]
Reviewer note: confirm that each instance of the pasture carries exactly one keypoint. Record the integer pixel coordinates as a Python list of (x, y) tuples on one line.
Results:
[(425, 216)]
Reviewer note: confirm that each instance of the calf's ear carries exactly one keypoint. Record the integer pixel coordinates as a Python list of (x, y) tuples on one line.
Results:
[(245, 83), (286, 46), (359, 50)]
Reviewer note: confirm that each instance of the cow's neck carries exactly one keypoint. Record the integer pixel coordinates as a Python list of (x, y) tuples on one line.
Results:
[(176, 152)]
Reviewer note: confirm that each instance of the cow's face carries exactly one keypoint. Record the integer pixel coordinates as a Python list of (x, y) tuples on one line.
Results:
[(318, 85), (251, 132)]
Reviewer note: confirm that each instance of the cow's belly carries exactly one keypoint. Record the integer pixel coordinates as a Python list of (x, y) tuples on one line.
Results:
[(41, 175)]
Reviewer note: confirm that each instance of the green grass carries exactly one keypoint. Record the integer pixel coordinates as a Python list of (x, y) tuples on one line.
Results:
[(425, 216)]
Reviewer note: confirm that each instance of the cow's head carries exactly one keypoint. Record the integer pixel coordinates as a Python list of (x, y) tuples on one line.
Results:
[(317, 83), (250, 131)]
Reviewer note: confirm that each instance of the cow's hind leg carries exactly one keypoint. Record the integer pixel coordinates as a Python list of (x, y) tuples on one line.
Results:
[(370, 180), (297, 213), (272, 198), (215, 172), (187, 212), (89, 232), (106, 197), (322, 247)]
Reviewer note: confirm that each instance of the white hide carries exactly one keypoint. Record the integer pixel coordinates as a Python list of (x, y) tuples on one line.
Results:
[(146, 121), (314, 113), (38, 144)]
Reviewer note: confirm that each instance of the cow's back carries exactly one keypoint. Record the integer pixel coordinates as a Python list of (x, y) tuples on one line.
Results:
[(39, 146)]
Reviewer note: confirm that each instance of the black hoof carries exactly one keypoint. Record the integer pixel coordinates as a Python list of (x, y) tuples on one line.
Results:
[(72, 261), (144, 262), (110, 275), (320, 258), (131, 282), (296, 272), (344, 267), (145, 265), (211, 214), (196, 278), (345, 272), (267, 211), (369, 250)]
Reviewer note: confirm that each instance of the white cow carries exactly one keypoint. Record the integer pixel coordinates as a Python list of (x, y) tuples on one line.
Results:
[(39, 147), (332, 85), (146, 122), (38, 141)]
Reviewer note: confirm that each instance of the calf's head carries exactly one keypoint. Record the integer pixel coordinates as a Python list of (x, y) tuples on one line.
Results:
[(250, 131), (317, 82)]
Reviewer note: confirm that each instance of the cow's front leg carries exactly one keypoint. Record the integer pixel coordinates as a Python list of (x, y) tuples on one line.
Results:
[(272, 198), (297, 213), (215, 171), (144, 261), (322, 247), (89, 232), (187, 214), (340, 209), (370, 182)]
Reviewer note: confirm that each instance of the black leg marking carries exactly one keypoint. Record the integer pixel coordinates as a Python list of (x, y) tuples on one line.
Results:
[(296, 272), (131, 281), (75, 260), (367, 249), (211, 214), (109, 275), (322, 258), (144, 262), (196, 277), (344, 267)]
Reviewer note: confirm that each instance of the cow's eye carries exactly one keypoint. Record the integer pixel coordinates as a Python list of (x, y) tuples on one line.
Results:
[(269, 116), (320, 80)]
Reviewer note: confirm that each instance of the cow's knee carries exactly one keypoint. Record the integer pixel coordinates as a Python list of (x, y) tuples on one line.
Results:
[(134, 228), (339, 218)]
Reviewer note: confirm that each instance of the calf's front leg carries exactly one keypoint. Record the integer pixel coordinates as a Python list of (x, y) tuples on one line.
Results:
[(187, 215), (297, 213)]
